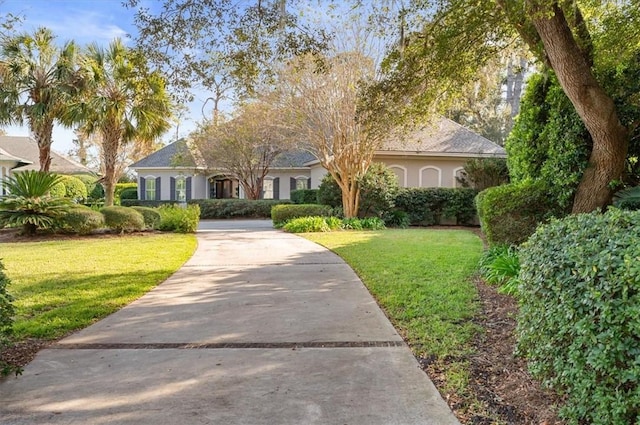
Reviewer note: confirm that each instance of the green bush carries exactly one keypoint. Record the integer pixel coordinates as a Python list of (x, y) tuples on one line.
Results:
[(236, 208), (628, 199), (483, 173), (145, 203), (397, 218), (7, 312), (304, 196), (500, 265), (121, 187), (372, 223), (122, 219), (352, 223), (509, 214), (97, 192), (579, 321), (151, 216), (280, 214), (70, 187), (307, 225), (180, 219), (429, 206), (329, 192), (81, 219), (129, 193)]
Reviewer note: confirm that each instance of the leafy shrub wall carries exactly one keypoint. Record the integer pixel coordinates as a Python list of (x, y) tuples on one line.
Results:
[(304, 196), (579, 321), (429, 206), (236, 208)]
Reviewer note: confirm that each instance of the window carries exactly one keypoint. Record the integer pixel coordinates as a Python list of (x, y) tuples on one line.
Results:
[(150, 189), (301, 183), (181, 189), (267, 189)]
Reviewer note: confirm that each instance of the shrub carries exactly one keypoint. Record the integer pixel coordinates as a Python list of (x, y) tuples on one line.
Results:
[(304, 196), (97, 192), (578, 324), (500, 265), (628, 199), (121, 187), (70, 187), (280, 214), (151, 216), (7, 312), (329, 192), (307, 225), (353, 223), (372, 223), (178, 218), (129, 193), (483, 173), (122, 219), (81, 219), (145, 203), (397, 218), (236, 208), (509, 214), (334, 223), (29, 203), (428, 206)]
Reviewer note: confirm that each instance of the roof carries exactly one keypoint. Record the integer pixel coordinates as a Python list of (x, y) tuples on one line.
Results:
[(176, 154), (446, 137), (292, 159), (6, 156), (25, 149)]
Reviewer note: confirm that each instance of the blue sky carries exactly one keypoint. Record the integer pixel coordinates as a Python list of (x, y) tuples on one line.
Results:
[(83, 21)]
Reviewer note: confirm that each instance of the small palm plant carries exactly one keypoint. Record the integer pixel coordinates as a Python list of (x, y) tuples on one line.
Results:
[(29, 203)]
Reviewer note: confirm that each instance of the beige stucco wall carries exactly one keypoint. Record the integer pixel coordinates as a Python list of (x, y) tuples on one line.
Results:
[(198, 182), (285, 176), (424, 171)]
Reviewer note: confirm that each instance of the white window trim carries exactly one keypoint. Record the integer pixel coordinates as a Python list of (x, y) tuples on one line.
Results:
[(430, 167), (404, 173), (146, 179), (298, 178), (264, 192), (455, 174), (183, 180)]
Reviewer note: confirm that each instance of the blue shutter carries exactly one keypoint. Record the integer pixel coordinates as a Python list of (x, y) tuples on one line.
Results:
[(188, 188), (276, 188), (172, 188), (309, 183), (158, 192), (143, 189), (292, 185)]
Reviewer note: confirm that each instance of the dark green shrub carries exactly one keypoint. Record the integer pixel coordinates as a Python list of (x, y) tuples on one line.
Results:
[(461, 205), (628, 199), (81, 219), (7, 312), (428, 206), (329, 192), (483, 173), (372, 223), (129, 193), (236, 208), (97, 192), (397, 218), (151, 216), (280, 214), (304, 196), (123, 186), (145, 203), (509, 214), (122, 219), (178, 218), (307, 225), (579, 320)]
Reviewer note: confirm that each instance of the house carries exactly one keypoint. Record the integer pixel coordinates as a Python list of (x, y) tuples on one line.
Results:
[(433, 156), (19, 153)]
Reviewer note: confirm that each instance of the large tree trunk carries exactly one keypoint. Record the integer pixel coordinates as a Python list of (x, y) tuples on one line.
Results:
[(110, 147), (594, 106), (42, 134)]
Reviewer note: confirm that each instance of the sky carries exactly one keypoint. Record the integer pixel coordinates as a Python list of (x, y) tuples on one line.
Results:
[(85, 21)]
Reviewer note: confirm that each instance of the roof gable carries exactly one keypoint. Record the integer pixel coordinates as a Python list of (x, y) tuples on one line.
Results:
[(25, 149), (176, 154)]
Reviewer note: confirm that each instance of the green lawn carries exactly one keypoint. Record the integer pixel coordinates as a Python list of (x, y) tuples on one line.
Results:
[(422, 279), (61, 286)]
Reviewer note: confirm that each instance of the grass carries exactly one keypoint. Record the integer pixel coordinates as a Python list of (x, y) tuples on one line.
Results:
[(422, 280), (62, 286)]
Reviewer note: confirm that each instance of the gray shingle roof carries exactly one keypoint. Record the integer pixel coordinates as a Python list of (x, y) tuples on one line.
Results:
[(443, 136), (26, 149), (292, 159), (176, 154)]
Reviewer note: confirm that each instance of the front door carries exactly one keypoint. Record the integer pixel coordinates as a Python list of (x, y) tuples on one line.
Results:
[(221, 188)]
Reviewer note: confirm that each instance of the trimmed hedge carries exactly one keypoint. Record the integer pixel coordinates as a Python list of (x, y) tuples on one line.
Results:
[(236, 208), (81, 219), (151, 216), (122, 219), (120, 187), (304, 196), (509, 214), (430, 206), (129, 193), (145, 203), (280, 214), (579, 320)]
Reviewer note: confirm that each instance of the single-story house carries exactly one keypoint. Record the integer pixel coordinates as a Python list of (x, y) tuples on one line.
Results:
[(430, 157), (19, 153)]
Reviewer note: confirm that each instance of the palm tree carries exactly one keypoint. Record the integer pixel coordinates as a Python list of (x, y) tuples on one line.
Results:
[(124, 103), (37, 79)]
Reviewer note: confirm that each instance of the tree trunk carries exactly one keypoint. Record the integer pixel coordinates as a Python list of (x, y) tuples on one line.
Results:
[(110, 144), (594, 106), (43, 134)]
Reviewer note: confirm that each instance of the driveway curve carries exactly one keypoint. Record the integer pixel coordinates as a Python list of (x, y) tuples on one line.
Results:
[(258, 327)]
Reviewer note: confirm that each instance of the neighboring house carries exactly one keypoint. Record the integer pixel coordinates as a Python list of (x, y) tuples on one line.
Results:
[(430, 157), (19, 153)]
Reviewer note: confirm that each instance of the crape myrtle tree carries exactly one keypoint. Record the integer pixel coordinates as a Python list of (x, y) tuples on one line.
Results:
[(38, 79), (124, 103), (574, 38)]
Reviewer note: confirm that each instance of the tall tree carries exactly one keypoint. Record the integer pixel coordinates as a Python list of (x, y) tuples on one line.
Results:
[(125, 103), (322, 96), (37, 81), (245, 146), (569, 36)]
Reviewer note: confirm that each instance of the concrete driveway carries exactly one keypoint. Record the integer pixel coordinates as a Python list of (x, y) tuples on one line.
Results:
[(258, 327)]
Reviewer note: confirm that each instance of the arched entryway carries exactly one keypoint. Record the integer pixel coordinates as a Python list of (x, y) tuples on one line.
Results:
[(223, 187)]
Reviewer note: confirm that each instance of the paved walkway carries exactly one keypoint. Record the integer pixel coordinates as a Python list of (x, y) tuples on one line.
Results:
[(258, 327)]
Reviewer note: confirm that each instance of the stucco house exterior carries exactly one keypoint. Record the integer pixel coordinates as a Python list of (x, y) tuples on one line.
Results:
[(432, 156), (20, 153)]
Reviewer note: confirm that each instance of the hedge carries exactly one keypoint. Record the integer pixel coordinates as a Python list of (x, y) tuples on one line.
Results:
[(151, 216), (81, 219), (129, 193), (236, 208), (579, 320), (430, 206), (509, 214), (122, 219), (304, 196), (145, 203), (70, 187), (280, 214)]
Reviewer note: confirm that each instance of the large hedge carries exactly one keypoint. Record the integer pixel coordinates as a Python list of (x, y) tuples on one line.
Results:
[(236, 208), (509, 214), (430, 206), (579, 321), (122, 219), (304, 196)]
